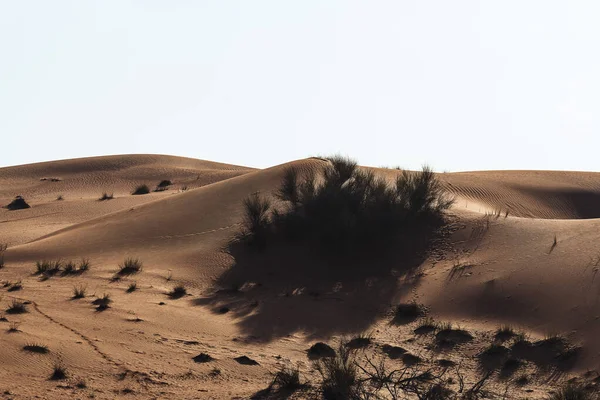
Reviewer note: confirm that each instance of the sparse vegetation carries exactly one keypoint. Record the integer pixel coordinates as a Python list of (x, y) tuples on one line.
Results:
[(285, 382), (360, 341), (141, 189), (504, 333), (13, 287), (572, 391), (106, 196), (16, 307), (18, 203), (79, 292), (129, 266), (346, 209), (163, 185), (59, 372), (177, 292), (427, 326), (60, 197), (84, 265), (102, 303), (69, 268), (36, 348), (339, 375), (132, 287), (3, 247)]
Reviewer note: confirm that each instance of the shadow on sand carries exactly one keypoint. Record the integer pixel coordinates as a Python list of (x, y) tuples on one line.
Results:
[(288, 289)]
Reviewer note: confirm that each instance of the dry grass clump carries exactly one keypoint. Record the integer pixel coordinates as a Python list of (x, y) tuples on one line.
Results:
[(79, 292), (36, 348), (129, 266), (13, 287), (102, 303), (59, 372), (106, 196), (16, 307), (3, 247), (132, 287), (572, 391)]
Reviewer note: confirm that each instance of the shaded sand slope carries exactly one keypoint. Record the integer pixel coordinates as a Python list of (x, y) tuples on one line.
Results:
[(82, 181), (533, 194)]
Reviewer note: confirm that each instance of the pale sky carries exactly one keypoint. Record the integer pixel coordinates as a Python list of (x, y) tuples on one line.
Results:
[(461, 85)]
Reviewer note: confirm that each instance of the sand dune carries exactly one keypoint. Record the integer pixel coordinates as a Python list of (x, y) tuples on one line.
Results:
[(499, 269)]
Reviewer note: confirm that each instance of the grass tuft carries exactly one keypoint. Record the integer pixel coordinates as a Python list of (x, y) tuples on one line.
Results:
[(79, 292), (132, 287), (102, 303), (16, 307), (106, 196), (59, 372), (36, 348), (129, 266)]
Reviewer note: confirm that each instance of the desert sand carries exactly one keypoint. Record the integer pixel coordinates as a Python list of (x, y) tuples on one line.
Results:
[(523, 252)]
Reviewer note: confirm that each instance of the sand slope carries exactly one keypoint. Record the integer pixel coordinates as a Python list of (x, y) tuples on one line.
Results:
[(500, 269), (82, 181)]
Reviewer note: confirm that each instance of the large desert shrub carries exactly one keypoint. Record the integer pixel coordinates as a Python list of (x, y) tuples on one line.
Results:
[(345, 208)]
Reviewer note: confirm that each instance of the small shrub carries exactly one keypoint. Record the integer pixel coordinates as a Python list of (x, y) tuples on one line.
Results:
[(572, 391), (59, 372), (18, 203), (141, 189), (132, 287), (79, 292), (106, 196), (177, 292), (3, 247), (41, 267), (427, 326), (15, 286), (102, 303), (339, 375), (36, 348), (163, 185), (16, 307), (286, 380), (504, 333), (359, 342), (256, 220), (60, 197), (84, 265), (130, 266), (69, 268)]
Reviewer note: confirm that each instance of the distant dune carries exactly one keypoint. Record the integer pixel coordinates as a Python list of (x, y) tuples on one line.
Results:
[(523, 252)]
